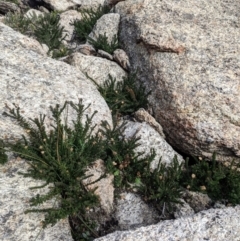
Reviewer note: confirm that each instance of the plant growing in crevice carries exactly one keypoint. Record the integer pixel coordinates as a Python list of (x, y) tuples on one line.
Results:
[(120, 157), (212, 177), (161, 186), (45, 28), (123, 97), (59, 157), (48, 30), (83, 27), (19, 22), (102, 43)]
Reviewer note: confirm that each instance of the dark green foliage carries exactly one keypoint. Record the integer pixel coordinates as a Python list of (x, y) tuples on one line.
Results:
[(161, 186), (215, 179), (48, 30), (3, 155), (120, 158), (83, 27), (125, 97), (59, 158), (18, 22), (102, 43)]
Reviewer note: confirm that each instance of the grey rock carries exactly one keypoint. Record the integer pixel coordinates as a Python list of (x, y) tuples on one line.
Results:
[(105, 188), (121, 58), (132, 212), (86, 49), (9, 37), (150, 138), (107, 24), (64, 5), (15, 194), (105, 54), (212, 224), (183, 210), (188, 53), (34, 82), (143, 116), (66, 18), (31, 13), (97, 68), (198, 201)]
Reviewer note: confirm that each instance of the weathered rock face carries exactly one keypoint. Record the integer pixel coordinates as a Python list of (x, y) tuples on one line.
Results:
[(132, 211), (151, 139), (107, 24), (187, 53), (15, 193), (34, 82), (213, 224), (64, 5), (97, 68)]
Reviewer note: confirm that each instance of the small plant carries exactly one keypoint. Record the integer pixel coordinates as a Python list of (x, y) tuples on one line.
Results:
[(215, 179), (3, 155), (125, 97), (83, 27), (48, 30), (102, 43), (18, 22), (161, 186), (120, 158), (60, 158)]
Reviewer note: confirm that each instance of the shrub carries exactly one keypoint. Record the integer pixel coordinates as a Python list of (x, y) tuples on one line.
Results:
[(102, 43), (18, 22), (46, 29), (120, 157), (83, 27), (59, 157), (123, 97), (161, 186), (209, 176)]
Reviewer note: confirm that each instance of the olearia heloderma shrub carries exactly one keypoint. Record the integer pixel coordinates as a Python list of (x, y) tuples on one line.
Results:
[(123, 97), (60, 157), (102, 43), (213, 178), (83, 27), (45, 28)]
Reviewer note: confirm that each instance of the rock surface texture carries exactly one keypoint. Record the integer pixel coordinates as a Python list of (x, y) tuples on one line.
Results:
[(213, 224), (150, 138), (40, 82), (15, 225), (187, 53)]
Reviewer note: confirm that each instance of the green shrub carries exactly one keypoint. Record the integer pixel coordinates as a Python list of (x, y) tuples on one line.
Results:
[(18, 22), (161, 186), (123, 97), (46, 29), (120, 157), (83, 27), (102, 43), (215, 179), (60, 158)]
